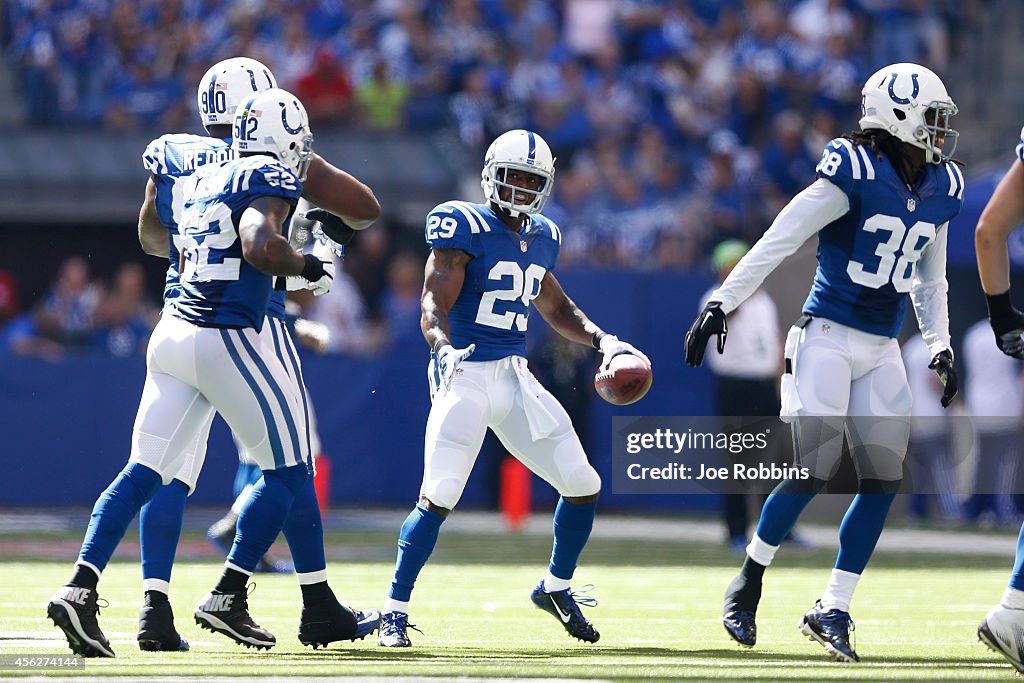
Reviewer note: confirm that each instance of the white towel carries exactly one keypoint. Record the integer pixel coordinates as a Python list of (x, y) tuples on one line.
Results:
[(542, 422)]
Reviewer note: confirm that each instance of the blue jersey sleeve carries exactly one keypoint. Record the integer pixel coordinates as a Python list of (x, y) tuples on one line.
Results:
[(269, 179), (154, 159), (845, 164), (553, 233), (455, 225)]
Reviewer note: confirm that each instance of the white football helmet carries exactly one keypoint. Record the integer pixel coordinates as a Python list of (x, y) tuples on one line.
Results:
[(275, 121), (522, 150), (227, 84), (910, 101)]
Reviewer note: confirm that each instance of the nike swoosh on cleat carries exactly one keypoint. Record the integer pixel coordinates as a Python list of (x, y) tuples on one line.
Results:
[(561, 615)]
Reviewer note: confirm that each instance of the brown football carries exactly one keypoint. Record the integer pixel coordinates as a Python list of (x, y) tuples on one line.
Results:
[(626, 380)]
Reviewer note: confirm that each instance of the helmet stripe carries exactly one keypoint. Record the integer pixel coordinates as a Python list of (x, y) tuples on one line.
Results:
[(210, 108), (531, 155)]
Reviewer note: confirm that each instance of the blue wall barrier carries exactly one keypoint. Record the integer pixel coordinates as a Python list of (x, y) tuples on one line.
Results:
[(67, 425)]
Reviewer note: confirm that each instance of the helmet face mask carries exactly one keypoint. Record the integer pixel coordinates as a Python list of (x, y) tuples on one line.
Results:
[(523, 151), (275, 122), (910, 102), (226, 85)]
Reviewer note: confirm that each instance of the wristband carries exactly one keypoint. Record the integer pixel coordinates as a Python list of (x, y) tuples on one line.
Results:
[(595, 341), (999, 305), (438, 344), (314, 268)]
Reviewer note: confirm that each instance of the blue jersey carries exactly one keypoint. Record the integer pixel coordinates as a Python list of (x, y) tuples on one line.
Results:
[(502, 279), (170, 158), (867, 258), (218, 287)]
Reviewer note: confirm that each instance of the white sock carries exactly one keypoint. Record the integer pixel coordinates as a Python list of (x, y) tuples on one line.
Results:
[(158, 585), (1012, 599), (839, 591), (761, 552), (392, 605), (309, 578), (552, 583)]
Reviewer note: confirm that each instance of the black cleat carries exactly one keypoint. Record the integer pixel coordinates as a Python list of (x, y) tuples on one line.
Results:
[(832, 630), (228, 613), (741, 627), (394, 630), (156, 629), (323, 624), (73, 610), (565, 606)]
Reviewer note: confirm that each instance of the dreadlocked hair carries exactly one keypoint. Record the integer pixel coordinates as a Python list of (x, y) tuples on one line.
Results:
[(882, 142)]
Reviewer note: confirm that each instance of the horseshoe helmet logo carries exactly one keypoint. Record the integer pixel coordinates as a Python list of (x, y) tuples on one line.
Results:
[(903, 100)]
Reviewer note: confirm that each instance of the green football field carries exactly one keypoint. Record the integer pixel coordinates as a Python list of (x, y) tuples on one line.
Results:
[(659, 602)]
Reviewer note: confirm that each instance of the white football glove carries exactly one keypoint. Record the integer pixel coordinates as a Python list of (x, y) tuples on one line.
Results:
[(611, 346), (325, 252), (443, 365)]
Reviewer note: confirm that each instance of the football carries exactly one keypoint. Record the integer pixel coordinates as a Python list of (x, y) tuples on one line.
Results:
[(625, 380)]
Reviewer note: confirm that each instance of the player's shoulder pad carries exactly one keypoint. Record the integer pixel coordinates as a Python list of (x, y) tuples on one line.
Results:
[(955, 180), (159, 155), (547, 227), (452, 225), (844, 163), (264, 175)]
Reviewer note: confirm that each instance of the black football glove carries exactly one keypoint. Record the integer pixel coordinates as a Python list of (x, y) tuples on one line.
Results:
[(942, 364), (1007, 324), (710, 322), (333, 226)]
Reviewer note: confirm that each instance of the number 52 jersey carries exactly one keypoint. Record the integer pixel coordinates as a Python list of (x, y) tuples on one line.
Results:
[(867, 258), (502, 279)]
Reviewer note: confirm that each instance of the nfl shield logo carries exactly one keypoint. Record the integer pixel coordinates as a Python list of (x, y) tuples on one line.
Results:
[(826, 328), (522, 245), (911, 204)]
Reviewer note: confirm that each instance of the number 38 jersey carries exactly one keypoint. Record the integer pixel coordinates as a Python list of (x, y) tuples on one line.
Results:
[(502, 279), (218, 287), (867, 258)]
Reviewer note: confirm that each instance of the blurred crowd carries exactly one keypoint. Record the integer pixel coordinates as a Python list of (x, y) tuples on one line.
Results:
[(676, 123)]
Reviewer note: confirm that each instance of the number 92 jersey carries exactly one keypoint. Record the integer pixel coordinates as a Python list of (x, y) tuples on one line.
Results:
[(219, 288), (867, 258), (502, 279)]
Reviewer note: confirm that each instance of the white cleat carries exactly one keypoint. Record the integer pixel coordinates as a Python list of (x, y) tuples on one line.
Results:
[(1002, 630)]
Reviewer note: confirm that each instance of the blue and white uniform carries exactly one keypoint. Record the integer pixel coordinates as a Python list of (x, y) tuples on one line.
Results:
[(171, 159), (206, 353), (878, 242), (494, 388)]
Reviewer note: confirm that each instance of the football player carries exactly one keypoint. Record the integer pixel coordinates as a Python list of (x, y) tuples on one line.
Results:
[(487, 264), (206, 354), (880, 207), (171, 159), (1002, 629)]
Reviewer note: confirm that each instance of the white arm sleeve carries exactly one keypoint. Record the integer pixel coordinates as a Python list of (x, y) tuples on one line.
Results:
[(928, 294), (807, 213)]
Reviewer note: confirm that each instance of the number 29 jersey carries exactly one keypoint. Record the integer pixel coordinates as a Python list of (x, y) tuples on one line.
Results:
[(867, 258), (219, 288), (503, 277)]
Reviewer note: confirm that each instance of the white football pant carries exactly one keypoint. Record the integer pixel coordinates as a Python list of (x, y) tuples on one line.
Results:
[(846, 380), (193, 371), (534, 427)]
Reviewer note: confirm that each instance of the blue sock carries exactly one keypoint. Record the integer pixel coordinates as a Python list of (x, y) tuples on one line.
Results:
[(1017, 578), (114, 511), (416, 542), (783, 508), (572, 524), (263, 516), (304, 531), (861, 527), (246, 474), (159, 529)]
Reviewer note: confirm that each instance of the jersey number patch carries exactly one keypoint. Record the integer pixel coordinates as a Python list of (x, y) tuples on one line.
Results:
[(525, 287), (897, 255), (202, 246)]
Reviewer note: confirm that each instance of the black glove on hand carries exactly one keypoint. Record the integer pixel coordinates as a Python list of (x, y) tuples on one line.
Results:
[(942, 364), (711, 321), (1007, 324), (333, 226)]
